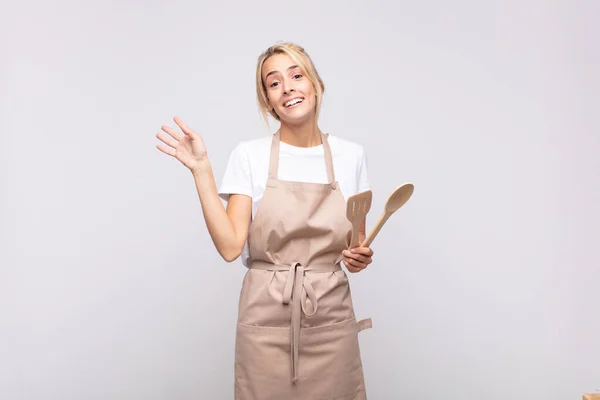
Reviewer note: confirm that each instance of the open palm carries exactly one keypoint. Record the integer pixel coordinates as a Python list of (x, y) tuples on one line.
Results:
[(187, 148)]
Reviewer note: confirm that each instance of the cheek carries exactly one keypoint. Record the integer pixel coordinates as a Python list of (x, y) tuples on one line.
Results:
[(271, 101), (311, 93), (309, 89)]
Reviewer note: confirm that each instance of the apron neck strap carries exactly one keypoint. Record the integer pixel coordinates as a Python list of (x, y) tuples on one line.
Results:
[(274, 161)]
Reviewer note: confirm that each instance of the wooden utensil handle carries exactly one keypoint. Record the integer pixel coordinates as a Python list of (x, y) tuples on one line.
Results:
[(355, 239), (384, 217)]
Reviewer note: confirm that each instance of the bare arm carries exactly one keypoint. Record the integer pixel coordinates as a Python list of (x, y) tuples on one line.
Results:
[(228, 228)]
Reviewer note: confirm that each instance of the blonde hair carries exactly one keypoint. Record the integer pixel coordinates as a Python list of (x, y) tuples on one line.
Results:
[(302, 60)]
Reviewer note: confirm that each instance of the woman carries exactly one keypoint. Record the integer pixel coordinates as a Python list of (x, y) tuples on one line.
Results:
[(297, 333)]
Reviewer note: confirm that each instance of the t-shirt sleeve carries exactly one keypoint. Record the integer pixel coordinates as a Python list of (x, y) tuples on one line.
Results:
[(362, 173), (237, 178)]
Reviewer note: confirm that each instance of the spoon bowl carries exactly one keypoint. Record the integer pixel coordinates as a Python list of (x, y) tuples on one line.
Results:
[(399, 197), (396, 199)]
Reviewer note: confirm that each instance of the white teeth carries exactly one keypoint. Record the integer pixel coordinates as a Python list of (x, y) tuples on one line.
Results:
[(292, 102)]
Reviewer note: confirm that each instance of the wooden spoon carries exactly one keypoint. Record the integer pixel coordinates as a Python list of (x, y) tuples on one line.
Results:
[(397, 199), (357, 208)]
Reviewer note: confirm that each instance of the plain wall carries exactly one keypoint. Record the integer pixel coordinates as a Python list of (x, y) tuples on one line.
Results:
[(486, 283)]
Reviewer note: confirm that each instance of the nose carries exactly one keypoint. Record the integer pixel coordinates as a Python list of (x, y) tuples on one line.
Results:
[(288, 87)]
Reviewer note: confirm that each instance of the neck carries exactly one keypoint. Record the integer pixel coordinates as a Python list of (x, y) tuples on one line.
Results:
[(305, 135)]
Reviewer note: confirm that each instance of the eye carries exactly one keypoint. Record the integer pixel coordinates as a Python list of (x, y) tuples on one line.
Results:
[(297, 76), (274, 83)]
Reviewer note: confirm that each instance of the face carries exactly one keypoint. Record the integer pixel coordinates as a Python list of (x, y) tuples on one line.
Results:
[(290, 93)]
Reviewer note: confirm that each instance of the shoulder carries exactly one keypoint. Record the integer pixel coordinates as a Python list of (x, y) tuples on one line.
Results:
[(248, 163)]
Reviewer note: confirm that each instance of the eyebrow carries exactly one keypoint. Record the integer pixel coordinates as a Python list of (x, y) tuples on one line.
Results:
[(275, 71)]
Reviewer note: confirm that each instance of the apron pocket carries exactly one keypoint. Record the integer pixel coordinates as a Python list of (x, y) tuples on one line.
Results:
[(330, 361), (262, 363), (329, 365)]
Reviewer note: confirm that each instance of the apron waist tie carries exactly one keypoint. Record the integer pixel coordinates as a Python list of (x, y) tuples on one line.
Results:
[(296, 291)]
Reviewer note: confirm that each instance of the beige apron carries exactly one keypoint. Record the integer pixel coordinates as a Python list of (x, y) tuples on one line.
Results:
[(297, 336)]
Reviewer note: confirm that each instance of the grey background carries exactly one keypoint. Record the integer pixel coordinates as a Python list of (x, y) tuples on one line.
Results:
[(485, 285)]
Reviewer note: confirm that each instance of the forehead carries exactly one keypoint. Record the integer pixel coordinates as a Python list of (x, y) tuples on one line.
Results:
[(278, 63)]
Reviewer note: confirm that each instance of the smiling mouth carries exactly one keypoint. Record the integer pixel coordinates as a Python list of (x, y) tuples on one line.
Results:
[(293, 102)]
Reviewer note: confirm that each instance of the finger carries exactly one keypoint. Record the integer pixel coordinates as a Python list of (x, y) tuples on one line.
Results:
[(167, 150), (352, 269), (367, 251), (167, 141), (184, 127), (358, 257), (364, 260), (354, 263), (171, 132)]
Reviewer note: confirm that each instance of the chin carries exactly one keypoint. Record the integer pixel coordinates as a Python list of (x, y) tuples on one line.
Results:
[(297, 118)]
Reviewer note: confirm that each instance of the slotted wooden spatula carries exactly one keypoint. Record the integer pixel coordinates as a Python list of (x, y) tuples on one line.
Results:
[(357, 208)]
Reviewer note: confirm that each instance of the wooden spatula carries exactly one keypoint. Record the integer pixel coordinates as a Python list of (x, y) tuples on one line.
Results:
[(397, 199), (357, 208)]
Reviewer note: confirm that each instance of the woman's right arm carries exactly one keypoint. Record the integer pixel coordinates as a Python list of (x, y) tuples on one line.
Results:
[(228, 228)]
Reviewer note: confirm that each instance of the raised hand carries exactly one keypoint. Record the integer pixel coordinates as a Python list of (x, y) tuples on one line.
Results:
[(187, 148)]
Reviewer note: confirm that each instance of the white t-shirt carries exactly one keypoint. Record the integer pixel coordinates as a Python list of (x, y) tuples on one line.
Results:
[(248, 169)]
